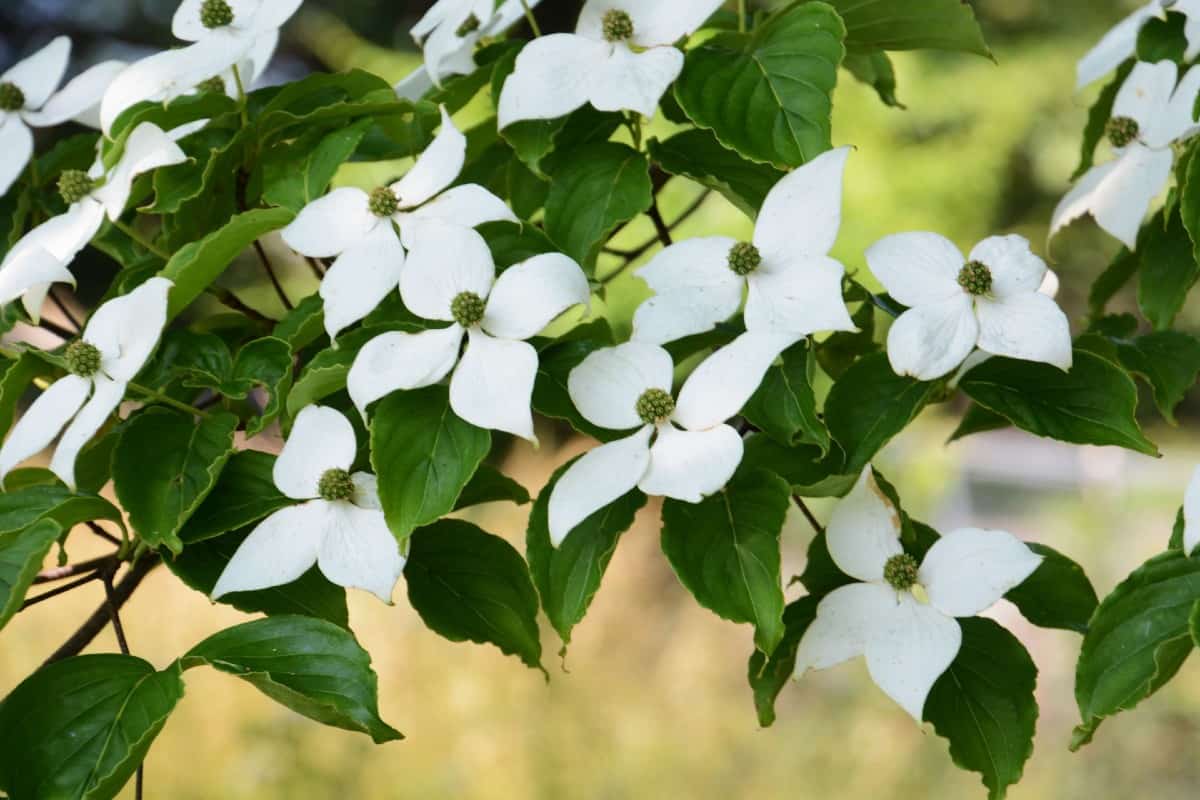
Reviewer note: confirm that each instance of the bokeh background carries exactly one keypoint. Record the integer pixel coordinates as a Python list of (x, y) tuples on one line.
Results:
[(651, 700)]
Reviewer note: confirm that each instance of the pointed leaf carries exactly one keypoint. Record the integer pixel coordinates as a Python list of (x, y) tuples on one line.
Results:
[(21, 556)]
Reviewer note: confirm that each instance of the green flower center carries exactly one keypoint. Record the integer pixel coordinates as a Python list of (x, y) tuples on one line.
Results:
[(74, 185), (1121, 131), (383, 202), (901, 572), (617, 25), (975, 278), (744, 258), (83, 358), (467, 309), (655, 406), (335, 484), (214, 85), (11, 97), (215, 13), (470, 25)]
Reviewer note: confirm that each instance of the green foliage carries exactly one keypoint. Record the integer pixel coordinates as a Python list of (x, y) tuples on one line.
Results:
[(769, 674), (21, 556), (785, 405), (697, 155), (901, 25), (244, 493)]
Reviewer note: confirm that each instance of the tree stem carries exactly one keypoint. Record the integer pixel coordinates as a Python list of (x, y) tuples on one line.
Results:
[(804, 509), (57, 590), (92, 626), (266, 262), (62, 308), (70, 570)]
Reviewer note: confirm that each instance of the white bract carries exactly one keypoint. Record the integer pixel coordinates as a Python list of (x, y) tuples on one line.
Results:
[(115, 344), (902, 616), (989, 300), (599, 64), (1150, 114), (1191, 514), (359, 227), (28, 99), (1120, 43), (339, 526), (26, 272), (223, 34), (794, 286), (452, 278), (447, 36), (693, 453)]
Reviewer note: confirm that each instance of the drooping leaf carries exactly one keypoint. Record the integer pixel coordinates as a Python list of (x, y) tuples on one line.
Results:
[(696, 154), (21, 556), (1168, 360), (768, 675), (23, 507), (244, 493), (1057, 595), (875, 69), (1112, 280), (297, 173), (490, 485), (1169, 267), (905, 25), (809, 473), (785, 405)]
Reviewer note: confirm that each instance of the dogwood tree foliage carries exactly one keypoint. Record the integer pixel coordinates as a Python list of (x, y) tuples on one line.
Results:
[(461, 307)]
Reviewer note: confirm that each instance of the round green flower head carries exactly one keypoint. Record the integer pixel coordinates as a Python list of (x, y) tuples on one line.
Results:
[(214, 85), (335, 484), (74, 185), (467, 309), (744, 258), (975, 277), (83, 358), (11, 97), (215, 13), (470, 25), (901, 571), (655, 406), (617, 25), (383, 202), (1122, 131)]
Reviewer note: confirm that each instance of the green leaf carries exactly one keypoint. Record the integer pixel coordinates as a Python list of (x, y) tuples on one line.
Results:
[(490, 485), (1094, 403), (1138, 639), (1162, 39), (785, 406), (869, 405), (298, 172), (567, 577), (768, 675), (1168, 360), (767, 94), (809, 473), (311, 666), (977, 419), (1098, 117), (18, 375), (602, 186), (1112, 280), (326, 372), (875, 69), (423, 455), (198, 264), (512, 243), (1057, 595), (78, 729), (165, 465), (985, 706), (470, 585), (265, 362), (19, 509), (697, 155), (725, 550), (556, 359), (303, 325), (244, 493), (21, 556), (905, 25), (1169, 268)]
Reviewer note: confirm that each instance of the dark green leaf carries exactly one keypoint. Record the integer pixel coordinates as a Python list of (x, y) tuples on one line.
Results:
[(21, 556), (809, 473), (1169, 268), (1057, 595), (696, 154), (19, 509), (874, 68), (18, 375), (1162, 39), (490, 485), (1112, 280), (978, 419), (1168, 360), (512, 243), (244, 493), (768, 676), (905, 25), (298, 172), (556, 359), (785, 406)]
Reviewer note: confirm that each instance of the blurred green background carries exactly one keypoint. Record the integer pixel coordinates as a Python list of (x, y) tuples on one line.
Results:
[(653, 701)]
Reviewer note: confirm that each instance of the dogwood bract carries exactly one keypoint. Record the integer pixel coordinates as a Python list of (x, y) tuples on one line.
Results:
[(28, 99), (989, 300), (357, 227), (598, 64), (453, 279), (115, 344), (339, 526), (693, 454), (908, 639), (794, 286), (26, 271), (1120, 43), (1150, 114)]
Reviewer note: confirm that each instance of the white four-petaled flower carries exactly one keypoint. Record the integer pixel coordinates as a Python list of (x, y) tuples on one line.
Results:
[(339, 526), (598, 64), (1120, 43), (357, 227), (115, 344), (989, 300), (452, 278), (794, 286), (908, 639), (1150, 113), (693, 454)]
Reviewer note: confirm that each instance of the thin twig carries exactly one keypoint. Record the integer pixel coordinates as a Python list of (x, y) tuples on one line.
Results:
[(92, 626), (316, 267), (230, 299), (660, 225), (103, 534), (113, 616), (57, 590), (146, 391), (66, 312), (262, 256), (56, 329), (71, 570), (812, 520), (633, 255)]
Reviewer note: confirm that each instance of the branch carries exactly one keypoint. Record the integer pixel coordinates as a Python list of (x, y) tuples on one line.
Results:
[(812, 520), (660, 225), (70, 570), (56, 591), (100, 617)]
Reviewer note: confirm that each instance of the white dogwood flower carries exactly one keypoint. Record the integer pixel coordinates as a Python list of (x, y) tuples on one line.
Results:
[(28, 99), (794, 286), (693, 453), (359, 227), (1120, 43), (448, 34), (339, 527), (115, 344), (989, 300), (1149, 114), (621, 57), (452, 278), (90, 196), (902, 616)]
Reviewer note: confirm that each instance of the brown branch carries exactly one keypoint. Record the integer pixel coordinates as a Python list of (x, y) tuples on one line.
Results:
[(70, 570), (66, 312), (630, 255), (57, 330), (316, 267), (56, 591), (230, 299), (103, 534), (113, 616), (92, 626), (812, 520), (262, 256), (660, 225)]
